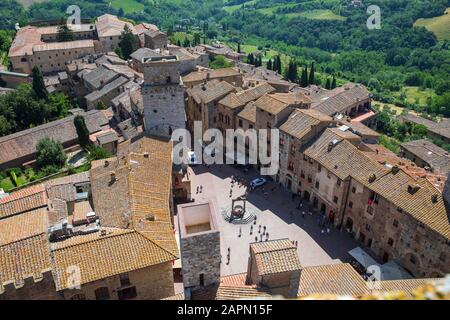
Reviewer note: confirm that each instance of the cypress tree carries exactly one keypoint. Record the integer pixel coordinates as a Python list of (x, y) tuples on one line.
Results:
[(250, 59), (328, 84), (82, 131), (304, 79), (306, 75), (333, 85), (269, 64), (279, 66), (38, 84), (312, 79), (239, 47)]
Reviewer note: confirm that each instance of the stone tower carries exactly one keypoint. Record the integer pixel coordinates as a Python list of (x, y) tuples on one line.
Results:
[(163, 96), (199, 245)]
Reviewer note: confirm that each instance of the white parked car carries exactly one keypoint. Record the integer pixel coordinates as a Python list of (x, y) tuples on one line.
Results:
[(258, 182)]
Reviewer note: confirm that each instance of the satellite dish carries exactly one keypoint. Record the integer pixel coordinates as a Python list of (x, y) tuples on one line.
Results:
[(17, 26)]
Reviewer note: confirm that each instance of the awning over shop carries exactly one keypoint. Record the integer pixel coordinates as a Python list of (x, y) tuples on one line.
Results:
[(362, 257)]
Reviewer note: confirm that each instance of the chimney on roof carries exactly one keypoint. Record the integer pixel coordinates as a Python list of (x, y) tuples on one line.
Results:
[(146, 155), (412, 189), (208, 75), (434, 198), (103, 232), (372, 178), (106, 163), (395, 169), (113, 176)]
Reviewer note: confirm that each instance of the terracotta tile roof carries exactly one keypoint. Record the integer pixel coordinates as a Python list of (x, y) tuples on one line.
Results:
[(436, 157), (301, 122), (213, 74), (64, 192), (360, 129), (80, 209), (23, 226), (344, 160), (24, 250), (342, 98), (150, 192), (67, 45), (111, 197), (24, 41), (270, 104), (249, 112), (23, 200), (212, 90), (28, 257), (178, 296), (417, 120), (291, 98), (407, 286), (340, 279), (275, 256), (83, 177), (139, 197), (346, 134), (108, 25), (100, 256), (23, 143), (240, 99), (244, 292), (387, 157)]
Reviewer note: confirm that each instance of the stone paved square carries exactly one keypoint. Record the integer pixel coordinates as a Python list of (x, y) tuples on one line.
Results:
[(277, 211)]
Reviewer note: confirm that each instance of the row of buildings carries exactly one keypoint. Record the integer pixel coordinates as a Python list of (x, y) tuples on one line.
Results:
[(330, 157), (110, 234)]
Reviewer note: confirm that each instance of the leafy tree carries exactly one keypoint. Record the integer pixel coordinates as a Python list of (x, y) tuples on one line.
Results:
[(50, 153), (97, 153), (82, 131), (59, 105), (38, 84), (64, 33), (220, 62), (127, 44), (101, 105)]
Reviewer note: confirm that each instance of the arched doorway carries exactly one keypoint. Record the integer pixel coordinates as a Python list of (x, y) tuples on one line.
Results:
[(306, 196), (349, 225)]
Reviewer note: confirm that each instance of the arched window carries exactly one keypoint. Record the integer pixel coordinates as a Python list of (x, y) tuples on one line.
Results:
[(78, 296)]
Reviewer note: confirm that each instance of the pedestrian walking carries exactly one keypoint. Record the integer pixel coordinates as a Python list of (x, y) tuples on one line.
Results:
[(303, 214), (251, 229)]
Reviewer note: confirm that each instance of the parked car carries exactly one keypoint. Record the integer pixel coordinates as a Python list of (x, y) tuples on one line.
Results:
[(258, 182)]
